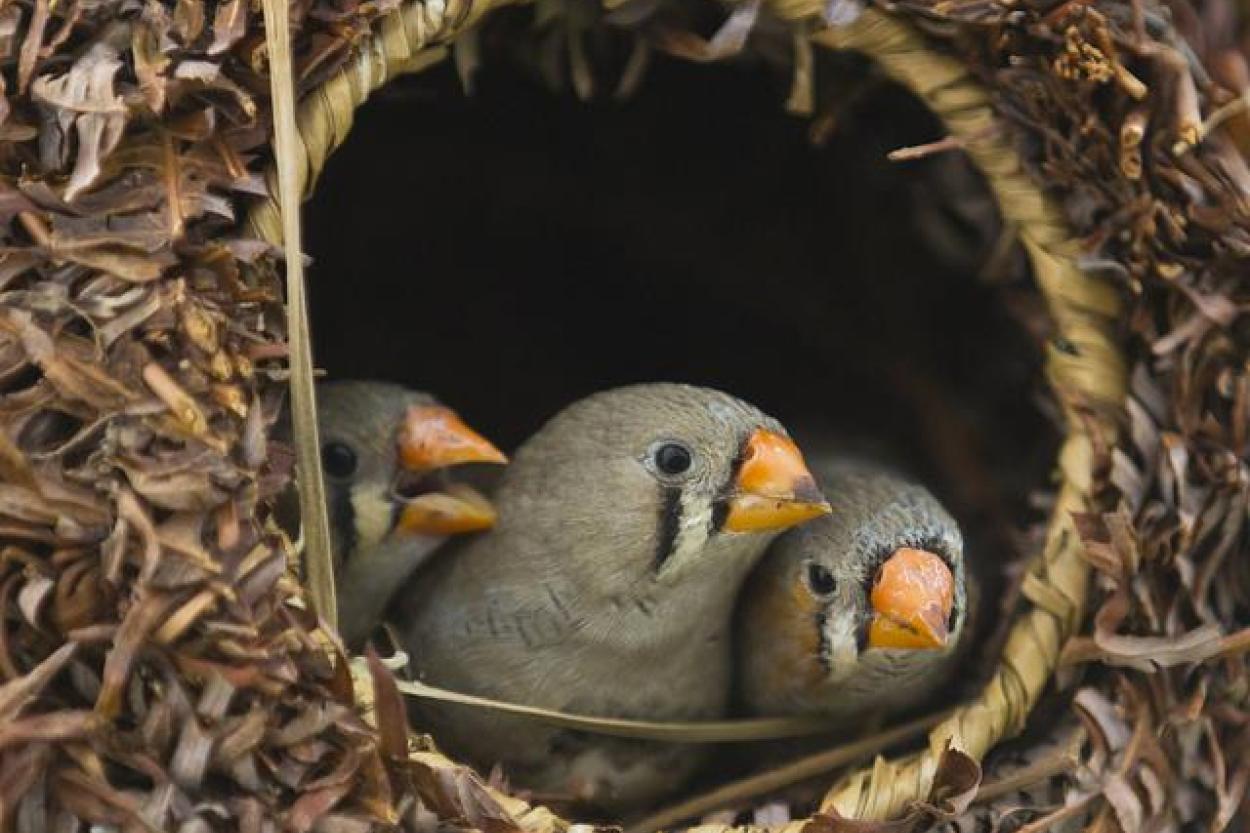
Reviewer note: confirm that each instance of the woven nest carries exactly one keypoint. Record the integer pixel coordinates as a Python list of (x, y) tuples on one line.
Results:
[(163, 668)]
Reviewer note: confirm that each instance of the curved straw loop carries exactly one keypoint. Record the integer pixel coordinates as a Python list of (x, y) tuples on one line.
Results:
[(405, 41), (1085, 365)]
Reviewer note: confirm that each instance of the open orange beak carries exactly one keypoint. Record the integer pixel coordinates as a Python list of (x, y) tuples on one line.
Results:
[(912, 599), (433, 438), (774, 490), (455, 510)]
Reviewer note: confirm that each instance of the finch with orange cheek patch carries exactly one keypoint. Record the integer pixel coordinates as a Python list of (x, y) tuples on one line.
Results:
[(626, 526), (859, 613), (389, 454)]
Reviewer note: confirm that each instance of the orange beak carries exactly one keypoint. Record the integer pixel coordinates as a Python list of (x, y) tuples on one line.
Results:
[(455, 510), (434, 437), (774, 490), (912, 599)]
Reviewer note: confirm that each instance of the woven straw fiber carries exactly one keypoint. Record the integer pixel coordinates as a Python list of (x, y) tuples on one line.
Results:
[(1087, 373), (1084, 364), (407, 41)]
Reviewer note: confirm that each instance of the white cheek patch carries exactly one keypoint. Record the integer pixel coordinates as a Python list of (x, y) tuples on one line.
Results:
[(691, 539), (692, 533), (374, 514), (841, 644)]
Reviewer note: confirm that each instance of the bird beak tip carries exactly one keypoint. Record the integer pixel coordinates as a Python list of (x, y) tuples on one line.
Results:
[(774, 489), (807, 492), (435, 437), (918, 633)]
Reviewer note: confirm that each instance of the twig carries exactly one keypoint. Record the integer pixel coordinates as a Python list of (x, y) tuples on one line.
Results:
[(949, 143), (1139, 22), (666, 731), (36, 228), (314, 523), (1130, 83), (1061, 761), (1132, 131), (736, 792), (1063, 10), (1066, 812), (908, 154), (1234, 644), (1225, 112)]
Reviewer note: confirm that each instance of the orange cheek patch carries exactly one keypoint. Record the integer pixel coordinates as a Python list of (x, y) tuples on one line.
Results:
[(787, 616)]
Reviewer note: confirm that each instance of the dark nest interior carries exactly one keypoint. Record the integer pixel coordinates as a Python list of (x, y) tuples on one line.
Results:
[(516, 249)]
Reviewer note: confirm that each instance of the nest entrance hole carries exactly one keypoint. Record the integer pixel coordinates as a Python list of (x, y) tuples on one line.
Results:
[(515, 250)]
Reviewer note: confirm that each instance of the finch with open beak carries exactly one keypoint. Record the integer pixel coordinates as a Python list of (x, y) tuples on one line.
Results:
[(626, 526), (859, 613), (388, 453)]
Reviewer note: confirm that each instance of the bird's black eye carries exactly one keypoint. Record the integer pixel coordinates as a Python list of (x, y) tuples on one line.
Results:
[(672, 458), (338, 459), (820, 580)]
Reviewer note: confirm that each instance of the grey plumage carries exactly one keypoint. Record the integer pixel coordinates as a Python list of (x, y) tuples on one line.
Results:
[(363, 416), (361, 423), (606, 589), (803, 650)]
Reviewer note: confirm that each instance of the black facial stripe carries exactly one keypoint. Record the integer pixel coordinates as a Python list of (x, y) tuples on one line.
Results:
[(669, 525), (861, 633), (720, 507), (343, 518)]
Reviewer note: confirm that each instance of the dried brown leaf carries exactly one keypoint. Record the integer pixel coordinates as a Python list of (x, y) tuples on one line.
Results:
[(22, 775), (74, 378), (80, 597), (33, 596), (1149, 653), (390, 712), (48, 728), (139, 623), (229, 25), (14, 466), (130, 510), (32, 44), (151, 62), (243, 737), (84, 99), (456, 792), (17, 693), (188, 20), (94, 800), (191, 755), (312, 806)]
